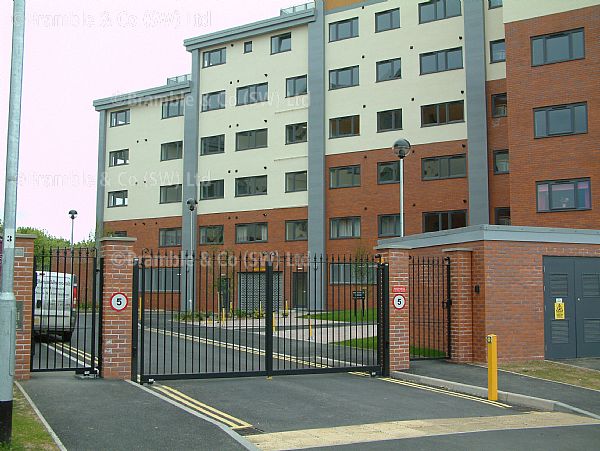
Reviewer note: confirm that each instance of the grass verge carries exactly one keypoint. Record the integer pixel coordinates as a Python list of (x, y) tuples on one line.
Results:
[(369, 314), (371, 343), (544, 369)]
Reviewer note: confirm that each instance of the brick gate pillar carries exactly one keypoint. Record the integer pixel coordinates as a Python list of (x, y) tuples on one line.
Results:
[(23, 289), (116, 325), (461, 313)]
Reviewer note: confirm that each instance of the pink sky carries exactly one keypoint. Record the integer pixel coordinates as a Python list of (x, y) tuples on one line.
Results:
[(76, 52)]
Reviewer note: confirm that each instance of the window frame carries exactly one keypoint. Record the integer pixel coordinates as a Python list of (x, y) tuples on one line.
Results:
[(246, 44), (449, 214), (379, 113), (237, 144), (294, 80), (180, 108), (164, 188), (390, 61), (492, 59), (205, 228), (253, 178), (179, 147), (287, 185), (112, 153), (571, 107), (379, 219), (354, 77), (390, 12), (354, 23), (380, 164), (501, 152), (178, 236), (294, 127), (446, 16), (252, 94), (497, 211), (279, 37), (114, 118), (336, 121), (205, 139), (112, 194), (222, 54), (331, 228), (494, 6), (496, 96), (255, 224), (545, 38), (354, 167), (205, 102), (296, 222), (441, 53), (447, 106), (219, 187), (551, 183), (439, 159)]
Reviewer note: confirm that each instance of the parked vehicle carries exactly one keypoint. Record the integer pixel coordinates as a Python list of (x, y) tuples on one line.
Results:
[(55, 304)]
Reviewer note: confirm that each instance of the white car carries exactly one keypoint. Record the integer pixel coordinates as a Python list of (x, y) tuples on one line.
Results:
[(55, 304)]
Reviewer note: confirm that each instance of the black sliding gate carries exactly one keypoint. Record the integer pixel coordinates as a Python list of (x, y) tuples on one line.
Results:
[(230, 316), (66, 318)]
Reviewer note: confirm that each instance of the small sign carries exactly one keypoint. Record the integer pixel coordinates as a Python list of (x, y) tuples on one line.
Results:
[(118, 302), (359, 295), (399, 301), (559, 309), (398, 289)]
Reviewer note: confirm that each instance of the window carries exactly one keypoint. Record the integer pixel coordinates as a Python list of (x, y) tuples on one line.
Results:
[(120, 234), (296, 86), (494, 4), (211, 145), (251, 233), (444, 167), (341, 228), (389, 70), (253, 94), (171, 151), (296, 230), (251, 139), (169, 237), (172, 108), (444, 220), (211, 234), (170, 194), (561, 120), (295, 181), (389, 225), (353, 273), (248, 47), (387, 20), (345, 177), (389, 120), (214, 189), (117, 198), (564, 195), (442, 113), (251, 186), (281, 43), (502, 216), (118, 118), (441, 61), (344, 29), (343, 78), (296, 133), (214, 57), (118, 157), (388, 172), (558, 47), (438, 10), (341, 127), (213, 101), (501, 162), (497, 51), (163, 280), (499, 105)]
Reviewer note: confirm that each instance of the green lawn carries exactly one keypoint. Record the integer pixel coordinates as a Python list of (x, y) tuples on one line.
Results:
[(370, 314), (371, 343)]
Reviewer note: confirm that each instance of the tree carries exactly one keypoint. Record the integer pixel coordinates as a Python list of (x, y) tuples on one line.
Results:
[(45, 241)]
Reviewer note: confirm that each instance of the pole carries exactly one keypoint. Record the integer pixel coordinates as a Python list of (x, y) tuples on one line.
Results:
[(492, 349), (402, 197), (72, 228), (8, 306)]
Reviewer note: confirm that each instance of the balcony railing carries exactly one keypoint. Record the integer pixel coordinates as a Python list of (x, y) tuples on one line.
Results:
[(179, 79), (298, 8)]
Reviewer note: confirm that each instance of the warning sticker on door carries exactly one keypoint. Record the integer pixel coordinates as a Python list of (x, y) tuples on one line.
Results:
[(559, 309)]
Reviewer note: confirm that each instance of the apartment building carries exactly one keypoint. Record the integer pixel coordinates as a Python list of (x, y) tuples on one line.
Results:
[(283, 130)]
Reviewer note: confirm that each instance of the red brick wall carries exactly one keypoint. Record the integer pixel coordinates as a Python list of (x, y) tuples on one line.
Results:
[(530, 87), (23, 288)]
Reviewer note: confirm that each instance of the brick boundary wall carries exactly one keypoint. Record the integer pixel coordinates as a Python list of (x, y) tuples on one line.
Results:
[(23, 289)]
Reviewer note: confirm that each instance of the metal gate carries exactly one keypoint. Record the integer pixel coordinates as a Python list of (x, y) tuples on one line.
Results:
[(65, 313), (429, 313), (243, 319)]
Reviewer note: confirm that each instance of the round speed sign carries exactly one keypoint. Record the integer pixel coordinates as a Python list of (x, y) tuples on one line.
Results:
[(399, 301), (118, 302)]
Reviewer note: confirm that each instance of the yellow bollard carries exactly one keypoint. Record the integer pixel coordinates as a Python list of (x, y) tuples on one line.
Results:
[(492, 348), (286, 308), (140, 309), (309, 329), (274, 327), (222, 316)]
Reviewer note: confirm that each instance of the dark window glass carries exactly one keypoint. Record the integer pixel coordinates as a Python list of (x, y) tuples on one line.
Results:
[(503, 216), (438, 10), (169, 237), (213, 101), (389, 120), (253, 94), (170, 194), (344, 78), (118, 157), (214, 189), (251, 186), (444, 167), (117, 198), (171, 151), (344, 29), (211, 234), (441, 61), (172, 108), (494, 3), (389, 225), (444, 220), (118, 118), (499, 105), (388, 172), (560, 120), (387, 20), (120, 234), (296, 133), (501, 162), (497, 51), (353, 273), (295, 181), (344, 126), (251, 139), (248, 47), (211, 145), (296, 86), (345, 177), (389, 70), (296, 230), (442, 113), (251, 233), (214, 57), (558, 47), (564, 195), (281, 43), (341, 228)]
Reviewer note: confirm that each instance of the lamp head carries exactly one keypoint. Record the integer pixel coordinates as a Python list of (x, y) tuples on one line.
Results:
[(73, 214), (401, 148), (191, 203)]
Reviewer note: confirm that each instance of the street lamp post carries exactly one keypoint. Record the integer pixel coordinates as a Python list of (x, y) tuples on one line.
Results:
[(73, 215), (191, 203), (402, 149)]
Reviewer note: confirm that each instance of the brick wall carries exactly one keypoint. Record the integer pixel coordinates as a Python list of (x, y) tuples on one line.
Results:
[(23, 289)]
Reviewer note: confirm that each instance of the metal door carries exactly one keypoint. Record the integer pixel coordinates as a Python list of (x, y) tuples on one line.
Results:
[(587, 306)]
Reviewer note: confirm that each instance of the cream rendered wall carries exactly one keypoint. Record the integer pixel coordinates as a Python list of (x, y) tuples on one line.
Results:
[(527, 9), (278, 158), (145, 173), (371, 47), (494, 30)]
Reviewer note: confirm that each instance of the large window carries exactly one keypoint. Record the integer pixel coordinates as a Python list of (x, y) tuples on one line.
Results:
[(213, 101), (169, 237), (344, 29), (446, 167), (172, 108), (281, 43), (118, 157), (499, 105), (118, 118), (387, 20), (296, 86), (494, 3), (253, 94), (389, 70), (171, 151), (344, 78), (563, 195), (295, 181), (353, 273), (561, 120), (296, 133), (251, 186), (344, 177), (501, 162), (251, 139), (296, 230), (438, 10), (444, 220), (213, 189), (117, 198), (389, 225), (441, 61), (341, 127), (497, 51), (442, 113), (502, 216), (389, 120), (388, 172), (558, 47), (251, 233), (342, 228), (170, 194), (211, 145), (214, 57), (211, 234), (163, 280)]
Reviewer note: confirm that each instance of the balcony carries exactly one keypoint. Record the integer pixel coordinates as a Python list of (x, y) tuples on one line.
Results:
[(179, 79), (297, 9)]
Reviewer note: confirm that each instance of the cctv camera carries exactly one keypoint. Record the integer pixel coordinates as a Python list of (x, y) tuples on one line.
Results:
[(192, 204)]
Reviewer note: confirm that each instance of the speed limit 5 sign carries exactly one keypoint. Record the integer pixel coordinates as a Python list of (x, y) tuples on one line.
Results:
[(118, 302)]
